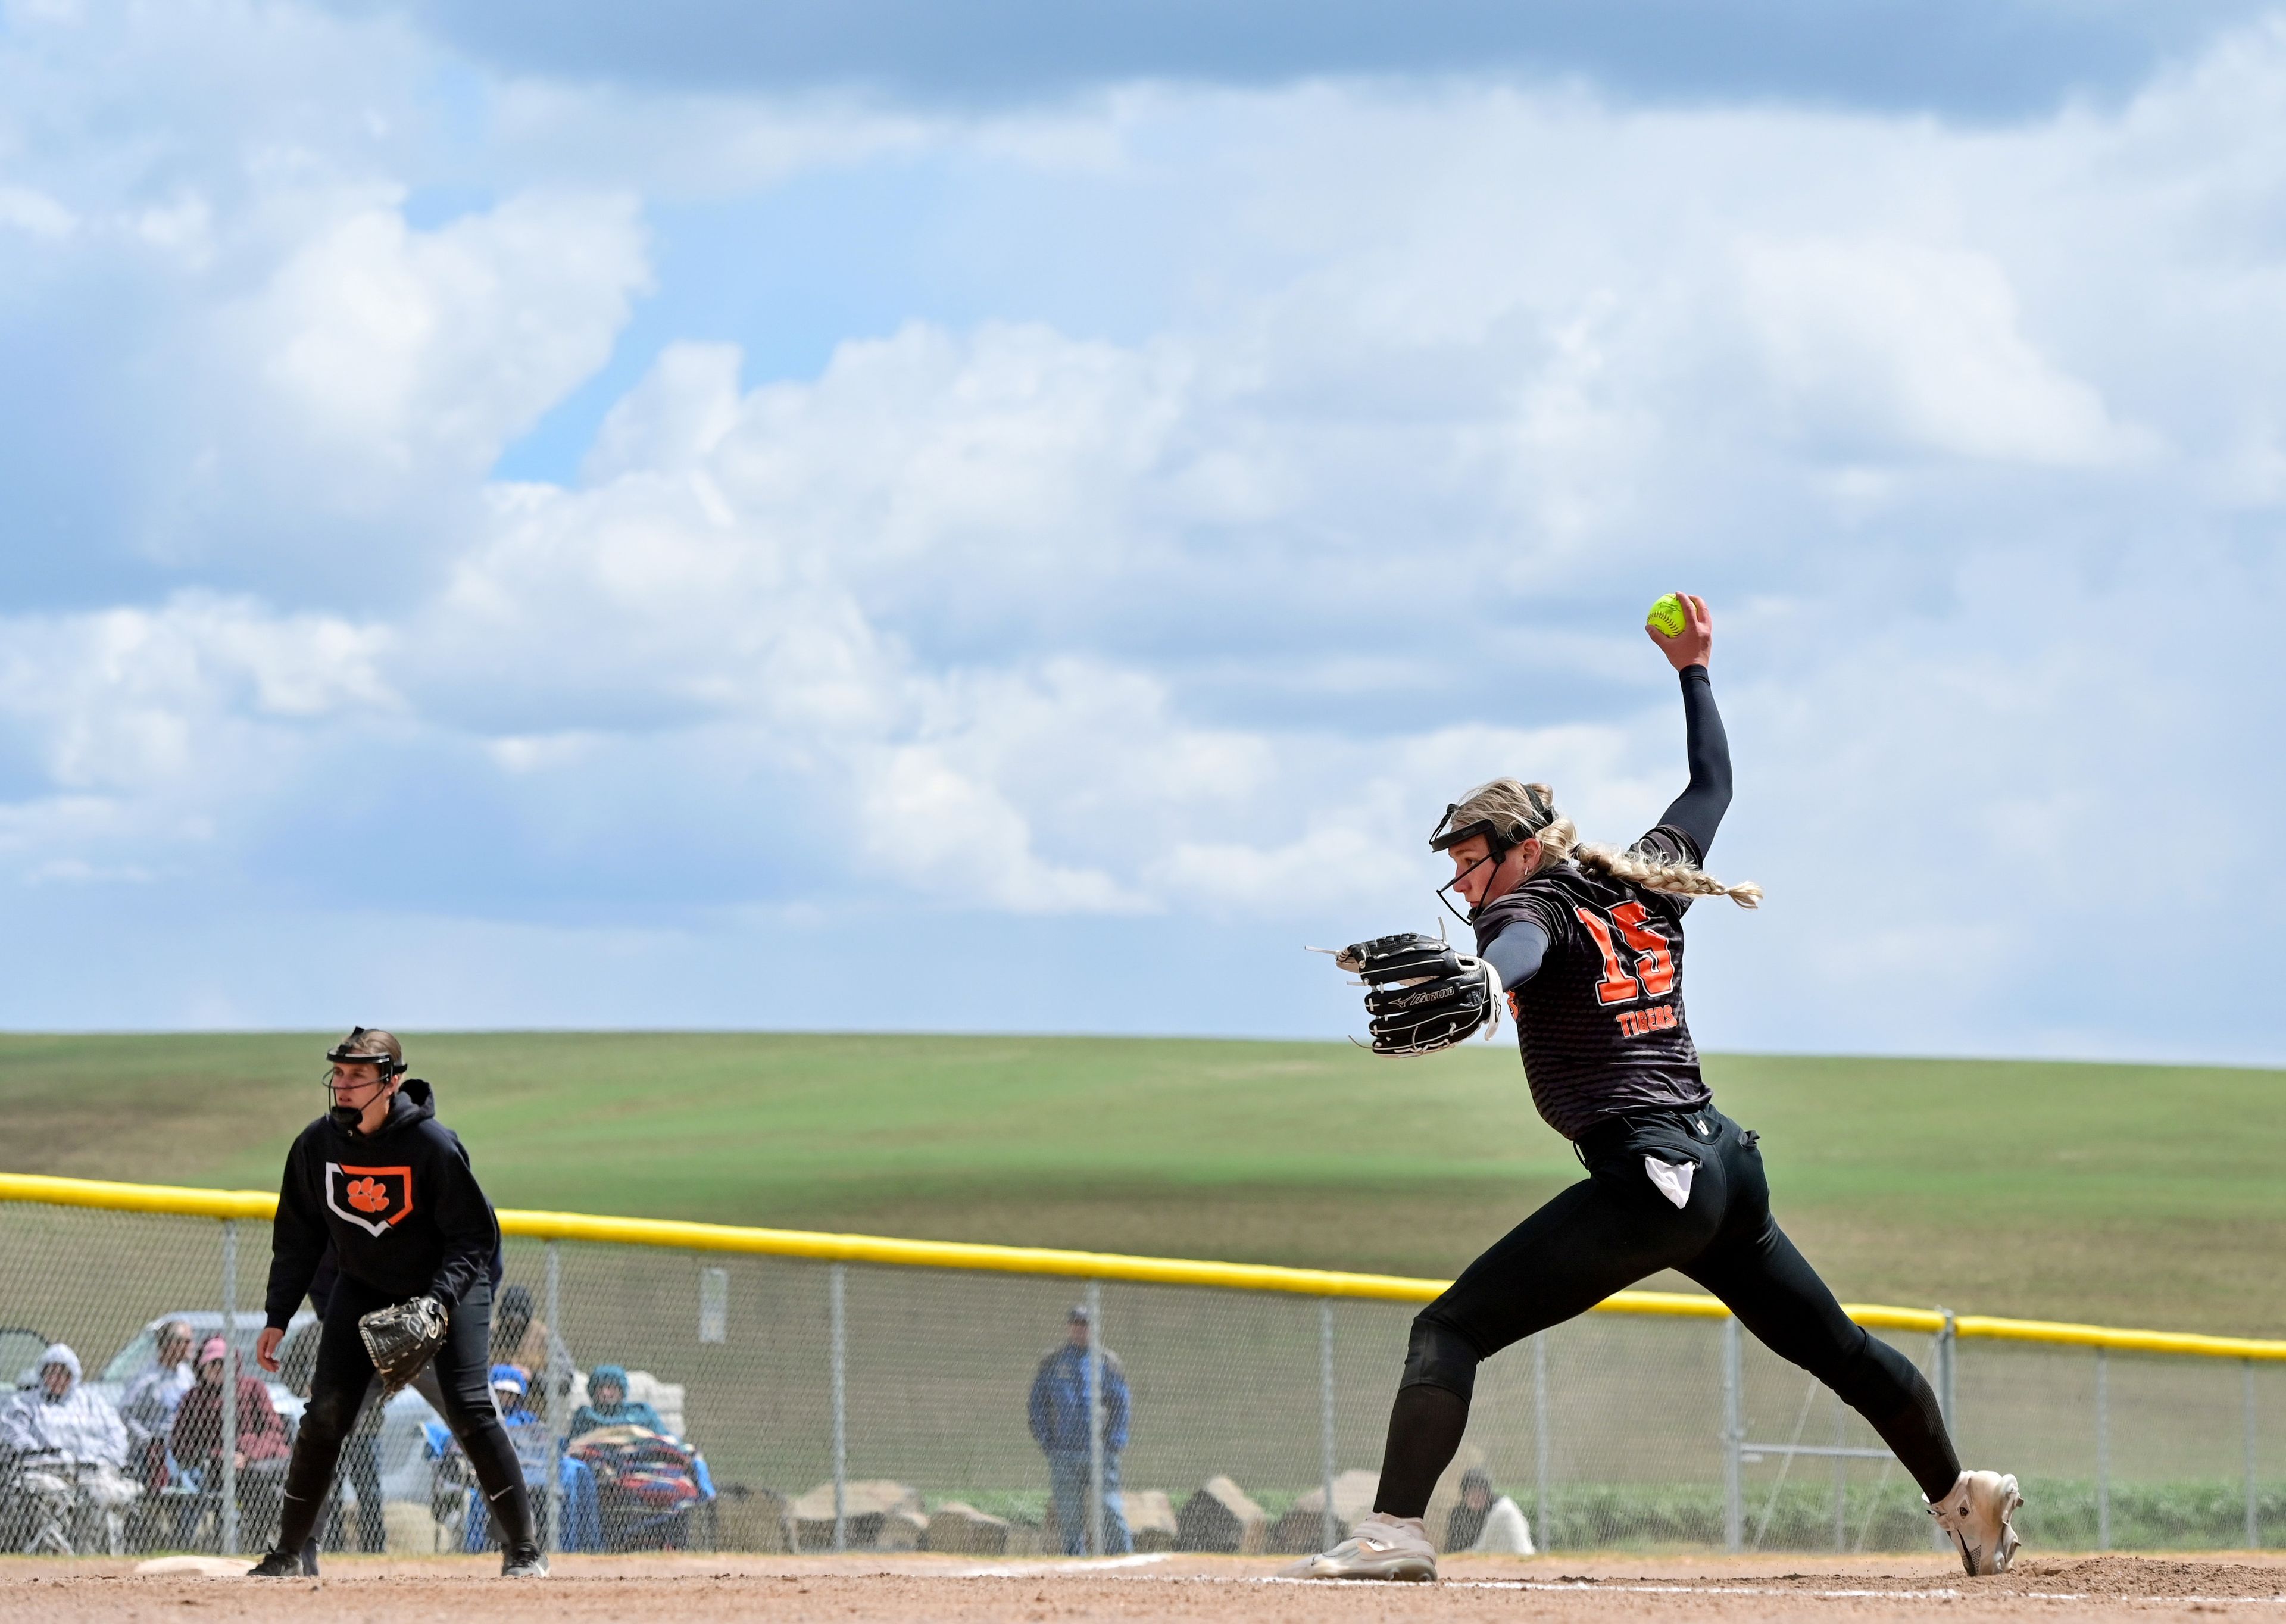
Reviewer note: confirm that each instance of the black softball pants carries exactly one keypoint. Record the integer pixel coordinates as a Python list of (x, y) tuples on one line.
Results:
[(1609, 1231), (337, 1389)]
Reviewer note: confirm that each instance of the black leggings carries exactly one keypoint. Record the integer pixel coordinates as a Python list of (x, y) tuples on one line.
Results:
[(1611, 1230), (360, 1463), (337, 1388)]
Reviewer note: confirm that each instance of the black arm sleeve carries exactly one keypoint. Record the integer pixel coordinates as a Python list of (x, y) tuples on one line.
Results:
[(297, 1240), (1698, 811), (470, 1230), (1515, 954)]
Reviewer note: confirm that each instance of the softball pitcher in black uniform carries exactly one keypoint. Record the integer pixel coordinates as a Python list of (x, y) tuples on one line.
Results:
[(1584, 944)]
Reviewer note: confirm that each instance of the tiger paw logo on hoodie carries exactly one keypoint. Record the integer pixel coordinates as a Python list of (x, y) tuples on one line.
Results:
[(372, 1198)]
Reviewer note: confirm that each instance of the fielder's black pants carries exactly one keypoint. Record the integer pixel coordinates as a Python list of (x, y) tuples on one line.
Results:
[(1609, 1231), (360, 1463), (337, 1388)]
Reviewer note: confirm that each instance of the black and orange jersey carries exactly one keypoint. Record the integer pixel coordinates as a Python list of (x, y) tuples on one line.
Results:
[(399, 1209), (1601, 1023)]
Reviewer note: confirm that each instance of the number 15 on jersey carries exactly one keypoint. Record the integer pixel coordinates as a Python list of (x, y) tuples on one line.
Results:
[(1651, 975)]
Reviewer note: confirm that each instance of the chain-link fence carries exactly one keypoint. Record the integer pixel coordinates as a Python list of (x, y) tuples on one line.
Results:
[(821, 1392)]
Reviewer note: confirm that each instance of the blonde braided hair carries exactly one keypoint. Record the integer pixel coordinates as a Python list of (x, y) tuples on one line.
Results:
[(1517, 811)]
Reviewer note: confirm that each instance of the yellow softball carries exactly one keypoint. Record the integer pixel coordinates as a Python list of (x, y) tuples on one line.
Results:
[(1667, 617)]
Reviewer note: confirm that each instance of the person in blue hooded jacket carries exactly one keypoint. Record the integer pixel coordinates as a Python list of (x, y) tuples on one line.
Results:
[(1059, 1409), (608, 1406)]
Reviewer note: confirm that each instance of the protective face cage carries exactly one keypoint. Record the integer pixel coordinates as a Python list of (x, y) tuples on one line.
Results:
[(1498, 842), (353, 1051)]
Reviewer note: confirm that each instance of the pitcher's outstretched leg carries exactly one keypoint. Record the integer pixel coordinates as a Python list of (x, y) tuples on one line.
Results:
[(1779, 1297)]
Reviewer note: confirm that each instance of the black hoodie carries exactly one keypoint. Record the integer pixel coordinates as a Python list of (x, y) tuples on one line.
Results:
[(400, 1207)]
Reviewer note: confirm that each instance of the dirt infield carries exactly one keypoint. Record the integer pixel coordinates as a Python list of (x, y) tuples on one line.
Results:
[(899, 1590)]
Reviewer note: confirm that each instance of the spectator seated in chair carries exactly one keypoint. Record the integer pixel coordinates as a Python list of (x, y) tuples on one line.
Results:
[(608, 1406), (261, 1447), (68, 1451), (148, 1405), (649, 1483), (1484, 1522), (523, 1340)]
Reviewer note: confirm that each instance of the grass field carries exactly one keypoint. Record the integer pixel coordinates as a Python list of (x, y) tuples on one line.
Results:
[(2126, 1194)]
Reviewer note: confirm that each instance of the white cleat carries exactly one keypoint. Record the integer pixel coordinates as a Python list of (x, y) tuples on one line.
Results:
[(1974, 1513), (1378, 1547)]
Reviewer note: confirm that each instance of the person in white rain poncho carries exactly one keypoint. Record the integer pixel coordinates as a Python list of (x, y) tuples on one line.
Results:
[(149, 1403), (72, 1450)]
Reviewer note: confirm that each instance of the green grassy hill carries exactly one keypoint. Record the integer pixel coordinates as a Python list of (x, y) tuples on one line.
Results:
[(2128, 1194)]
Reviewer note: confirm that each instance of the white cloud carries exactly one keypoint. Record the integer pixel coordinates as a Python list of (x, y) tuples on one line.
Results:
[(1012, 453), (73, 871), (928, 823), (1328, 864), (1087, 602), (1902, 342), (681, 146), (35, 213), (545, 752), (670, 421), (124, 697), (396, 353)]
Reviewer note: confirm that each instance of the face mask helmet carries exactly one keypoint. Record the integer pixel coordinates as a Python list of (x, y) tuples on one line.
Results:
[(363, 1046), (1500, 838)]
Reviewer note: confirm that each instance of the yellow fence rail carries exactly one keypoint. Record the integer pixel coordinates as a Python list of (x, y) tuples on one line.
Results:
[(677, 1235)]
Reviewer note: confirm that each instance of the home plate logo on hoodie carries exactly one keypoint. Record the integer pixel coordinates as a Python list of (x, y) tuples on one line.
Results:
[(372, 1198)]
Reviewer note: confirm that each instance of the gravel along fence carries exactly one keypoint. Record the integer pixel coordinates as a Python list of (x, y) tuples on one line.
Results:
[(831, 1392)]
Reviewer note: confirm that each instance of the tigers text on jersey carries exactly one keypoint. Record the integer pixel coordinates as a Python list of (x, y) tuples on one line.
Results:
[(1601, 1024)]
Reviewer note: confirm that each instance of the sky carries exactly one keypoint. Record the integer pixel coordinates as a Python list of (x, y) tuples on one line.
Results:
[(1020, 517)]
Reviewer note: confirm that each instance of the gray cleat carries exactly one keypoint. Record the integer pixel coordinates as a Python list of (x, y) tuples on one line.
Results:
[(1974, 1516), (1378, 1548)]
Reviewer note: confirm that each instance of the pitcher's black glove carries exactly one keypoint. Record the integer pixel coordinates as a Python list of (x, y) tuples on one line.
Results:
[(403, 1338), (1424, 995)]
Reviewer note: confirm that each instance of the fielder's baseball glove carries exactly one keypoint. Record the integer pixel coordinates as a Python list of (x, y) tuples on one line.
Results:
[(1425, 995), (402, 1338)]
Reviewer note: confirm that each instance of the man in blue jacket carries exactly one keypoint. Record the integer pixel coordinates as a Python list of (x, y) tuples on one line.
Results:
[(1059, 1411)]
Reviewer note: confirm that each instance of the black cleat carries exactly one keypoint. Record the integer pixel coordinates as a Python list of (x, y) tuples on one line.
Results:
[(523, 1561), (282, 1565)]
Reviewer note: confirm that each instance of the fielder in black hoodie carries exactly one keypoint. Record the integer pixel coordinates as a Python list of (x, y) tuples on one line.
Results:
[(400, 1208)]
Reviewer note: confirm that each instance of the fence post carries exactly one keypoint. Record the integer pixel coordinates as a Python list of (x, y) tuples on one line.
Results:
[(2253, 1526), (1326, 1417), (1948, 1350), (1095, 1418), (1841, 1476), (1734, 1438), (1540, 1452), (1948, 1357), (2102, 1449), (559, 1393), (836, 1338), (229, 1510)]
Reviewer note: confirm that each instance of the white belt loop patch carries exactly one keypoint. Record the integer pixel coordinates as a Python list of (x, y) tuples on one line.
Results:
[(1672, 1181)]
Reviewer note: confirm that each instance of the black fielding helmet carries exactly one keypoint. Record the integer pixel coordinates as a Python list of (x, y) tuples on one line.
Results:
[(369, 1046), (1503, 830), (1500, 839)]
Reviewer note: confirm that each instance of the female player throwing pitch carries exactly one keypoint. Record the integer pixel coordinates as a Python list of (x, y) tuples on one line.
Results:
[(1585, 943)]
